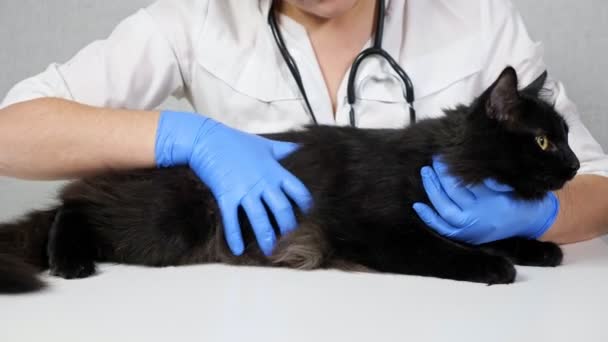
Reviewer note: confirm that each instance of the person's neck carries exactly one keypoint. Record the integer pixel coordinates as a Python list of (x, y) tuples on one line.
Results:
[(336, 41), (359, 20)]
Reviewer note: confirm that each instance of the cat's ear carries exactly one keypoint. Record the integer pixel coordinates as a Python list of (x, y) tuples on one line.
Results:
[(533, 89), (503, 96)]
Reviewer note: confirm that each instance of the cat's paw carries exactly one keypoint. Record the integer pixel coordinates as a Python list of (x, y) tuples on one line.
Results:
[(495, 270), (540, 254), (479, 268), (71, 269), (526, 252)]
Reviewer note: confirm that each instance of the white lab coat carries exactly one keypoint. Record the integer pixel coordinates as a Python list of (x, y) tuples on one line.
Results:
[(221, 56)]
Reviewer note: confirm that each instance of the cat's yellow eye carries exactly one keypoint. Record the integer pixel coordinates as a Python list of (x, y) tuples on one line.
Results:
[(543, 142)]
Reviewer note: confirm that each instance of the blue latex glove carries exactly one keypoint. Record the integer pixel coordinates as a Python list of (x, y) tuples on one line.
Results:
[(241, 169), (482, 213)]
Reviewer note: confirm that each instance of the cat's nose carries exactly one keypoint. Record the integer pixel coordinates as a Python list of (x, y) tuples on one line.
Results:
[(574, 165)]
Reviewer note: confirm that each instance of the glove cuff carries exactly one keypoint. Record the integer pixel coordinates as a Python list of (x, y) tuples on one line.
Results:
[(176, 135), (553, 204)]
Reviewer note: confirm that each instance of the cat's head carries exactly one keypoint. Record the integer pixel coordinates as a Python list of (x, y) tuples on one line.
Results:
[(518, 139)]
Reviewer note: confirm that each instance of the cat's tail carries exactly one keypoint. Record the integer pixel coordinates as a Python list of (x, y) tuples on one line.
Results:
[(23, 252)]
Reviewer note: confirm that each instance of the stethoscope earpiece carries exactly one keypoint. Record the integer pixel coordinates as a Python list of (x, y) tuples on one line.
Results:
[(376, 49)]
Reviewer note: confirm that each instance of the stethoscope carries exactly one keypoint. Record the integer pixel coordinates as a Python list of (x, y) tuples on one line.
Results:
[(375, 49)]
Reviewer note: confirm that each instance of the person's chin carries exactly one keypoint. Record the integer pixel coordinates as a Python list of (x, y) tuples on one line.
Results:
[(334, 8)]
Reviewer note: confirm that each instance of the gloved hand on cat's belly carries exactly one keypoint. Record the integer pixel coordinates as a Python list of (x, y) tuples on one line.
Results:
[(240, 169), (483, 213)]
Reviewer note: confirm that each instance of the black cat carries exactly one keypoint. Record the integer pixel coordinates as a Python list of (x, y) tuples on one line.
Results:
[(363, 182)]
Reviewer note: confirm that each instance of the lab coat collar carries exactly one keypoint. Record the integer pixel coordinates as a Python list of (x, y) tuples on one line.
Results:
[(241, 50), (432, 67)]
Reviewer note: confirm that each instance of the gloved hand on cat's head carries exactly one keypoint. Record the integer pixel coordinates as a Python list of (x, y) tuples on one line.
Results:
[(482, 213), (240, 169)]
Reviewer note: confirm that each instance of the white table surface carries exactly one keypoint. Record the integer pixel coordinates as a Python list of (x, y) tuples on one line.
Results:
[(221, 303)]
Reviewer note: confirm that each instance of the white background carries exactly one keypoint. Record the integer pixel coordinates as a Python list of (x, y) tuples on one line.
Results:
[(218, 303)]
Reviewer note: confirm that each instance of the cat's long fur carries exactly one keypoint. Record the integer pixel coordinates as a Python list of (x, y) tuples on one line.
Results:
[(363, 182)]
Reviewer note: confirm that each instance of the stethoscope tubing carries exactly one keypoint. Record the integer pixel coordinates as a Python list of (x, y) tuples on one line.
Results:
[(375, 49)]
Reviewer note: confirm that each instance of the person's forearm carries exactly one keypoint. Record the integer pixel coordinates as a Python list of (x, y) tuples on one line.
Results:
[(583, 211), (55, 139)]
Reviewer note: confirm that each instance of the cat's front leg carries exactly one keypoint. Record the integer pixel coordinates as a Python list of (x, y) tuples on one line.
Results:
[(387, 250), (526, 252), (423, 253)]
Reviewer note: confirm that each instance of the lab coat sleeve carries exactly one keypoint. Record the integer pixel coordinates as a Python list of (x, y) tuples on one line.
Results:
[(508, 43), (143, 61)]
